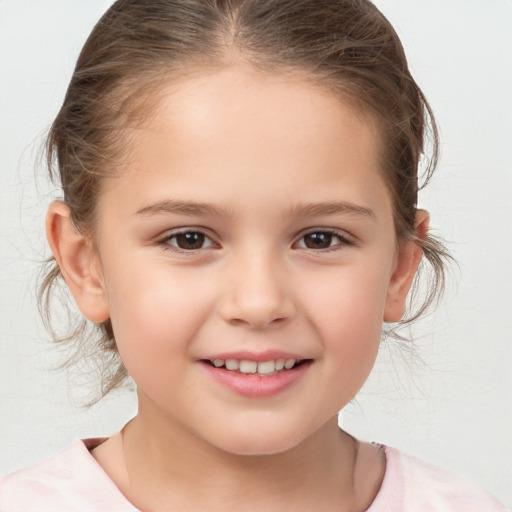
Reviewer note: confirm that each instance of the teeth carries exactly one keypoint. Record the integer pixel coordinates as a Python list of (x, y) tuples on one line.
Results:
[(262, 368), (290, 363), (232, 364), (266, 367), (248, 366)]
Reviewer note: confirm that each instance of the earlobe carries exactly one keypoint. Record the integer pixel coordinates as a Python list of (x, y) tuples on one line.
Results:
[(78, 262), (408, 259)]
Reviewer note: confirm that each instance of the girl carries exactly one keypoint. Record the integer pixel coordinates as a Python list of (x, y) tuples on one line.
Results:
[(238, 220)]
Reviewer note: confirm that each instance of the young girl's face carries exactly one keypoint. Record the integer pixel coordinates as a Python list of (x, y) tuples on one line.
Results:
[(250, 228)]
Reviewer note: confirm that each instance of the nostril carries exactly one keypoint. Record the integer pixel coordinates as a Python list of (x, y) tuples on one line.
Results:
[(249, 307), (257, 323)]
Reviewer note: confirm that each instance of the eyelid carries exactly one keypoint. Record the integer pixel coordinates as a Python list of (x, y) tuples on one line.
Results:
[(168, 235), (345, 238)]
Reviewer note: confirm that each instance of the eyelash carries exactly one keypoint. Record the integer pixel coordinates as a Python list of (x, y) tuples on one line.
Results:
[(167, 245), (342, 240)]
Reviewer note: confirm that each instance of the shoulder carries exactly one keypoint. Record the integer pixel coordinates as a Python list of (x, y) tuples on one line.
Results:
[(412, 484), (70, 481)]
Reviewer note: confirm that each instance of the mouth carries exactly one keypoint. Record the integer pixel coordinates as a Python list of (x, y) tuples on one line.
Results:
[(259, 376), (261, 368)]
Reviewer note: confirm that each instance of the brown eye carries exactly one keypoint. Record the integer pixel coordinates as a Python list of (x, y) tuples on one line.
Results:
[(321, 240), (318, 240), (189, 241)]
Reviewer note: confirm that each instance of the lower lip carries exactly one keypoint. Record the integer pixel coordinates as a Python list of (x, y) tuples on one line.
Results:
[(253, 385)]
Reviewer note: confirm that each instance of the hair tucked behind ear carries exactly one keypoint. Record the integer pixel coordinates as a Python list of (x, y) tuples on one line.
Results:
[(345, 45)]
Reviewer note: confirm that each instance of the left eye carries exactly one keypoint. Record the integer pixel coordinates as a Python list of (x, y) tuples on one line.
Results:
[(320, 240), (189, 241)]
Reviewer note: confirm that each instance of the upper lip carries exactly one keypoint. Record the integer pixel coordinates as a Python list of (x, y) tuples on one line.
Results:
[(259, 357)]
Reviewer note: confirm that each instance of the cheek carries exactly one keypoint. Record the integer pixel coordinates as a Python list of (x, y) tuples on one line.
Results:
[(347, 311), (351, 298), (154, 316)]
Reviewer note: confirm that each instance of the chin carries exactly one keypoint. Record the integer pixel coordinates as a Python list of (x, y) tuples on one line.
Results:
[(261, 449), (255, 442)]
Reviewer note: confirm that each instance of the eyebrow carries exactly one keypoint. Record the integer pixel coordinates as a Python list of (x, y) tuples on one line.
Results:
[(168, 206), (332, 208), (183, 208)]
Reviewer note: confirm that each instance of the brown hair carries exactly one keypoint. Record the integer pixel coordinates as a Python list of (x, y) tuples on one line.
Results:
[(347, 45)]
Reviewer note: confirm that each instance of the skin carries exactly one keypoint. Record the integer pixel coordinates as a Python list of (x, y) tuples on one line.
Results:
[(260, 150)]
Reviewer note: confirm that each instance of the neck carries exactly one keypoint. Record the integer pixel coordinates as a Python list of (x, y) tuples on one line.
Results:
[(166, 464)]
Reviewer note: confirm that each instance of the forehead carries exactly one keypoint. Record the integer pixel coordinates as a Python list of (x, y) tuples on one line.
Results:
[(226, 128), (239, 96)]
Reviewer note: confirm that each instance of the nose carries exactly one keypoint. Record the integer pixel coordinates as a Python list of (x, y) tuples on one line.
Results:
[(257, 292)]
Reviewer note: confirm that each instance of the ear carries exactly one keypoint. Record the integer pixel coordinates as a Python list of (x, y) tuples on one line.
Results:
[(408, 258), (79, 264)]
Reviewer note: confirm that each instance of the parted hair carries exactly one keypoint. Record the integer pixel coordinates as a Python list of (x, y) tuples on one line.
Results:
[(137, 47)]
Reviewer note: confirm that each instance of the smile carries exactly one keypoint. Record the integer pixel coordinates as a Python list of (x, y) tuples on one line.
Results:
[(264, 378), (263, 368)]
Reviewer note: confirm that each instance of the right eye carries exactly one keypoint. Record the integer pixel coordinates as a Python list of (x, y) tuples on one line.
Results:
[(187, 241)]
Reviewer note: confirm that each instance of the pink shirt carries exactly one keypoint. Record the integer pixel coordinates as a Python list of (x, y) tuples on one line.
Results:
[(72, 481)]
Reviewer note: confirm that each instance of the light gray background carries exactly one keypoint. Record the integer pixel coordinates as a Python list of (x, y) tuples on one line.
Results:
[(454, 409)]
